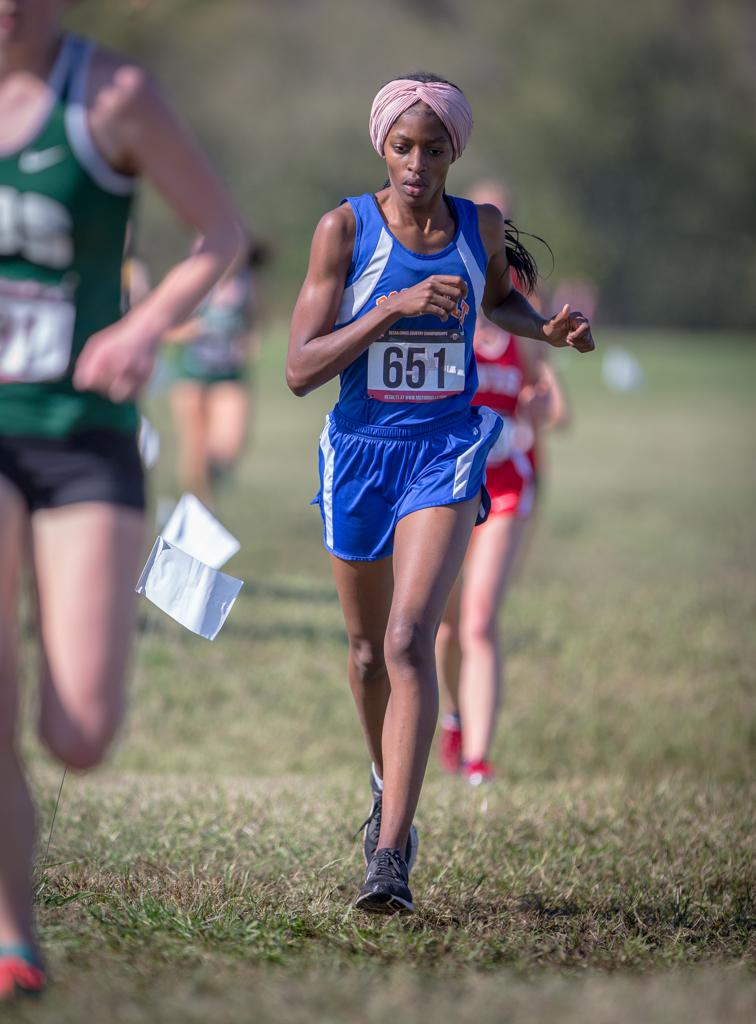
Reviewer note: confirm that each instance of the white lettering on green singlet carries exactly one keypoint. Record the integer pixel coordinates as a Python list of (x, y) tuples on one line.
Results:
[(36, 331), (35, 227)]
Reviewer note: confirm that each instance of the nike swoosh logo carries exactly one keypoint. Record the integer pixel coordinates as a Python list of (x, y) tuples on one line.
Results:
[(33, 160)]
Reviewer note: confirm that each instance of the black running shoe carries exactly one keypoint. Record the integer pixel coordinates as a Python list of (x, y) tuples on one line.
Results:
[(372, 827), (386, 890)]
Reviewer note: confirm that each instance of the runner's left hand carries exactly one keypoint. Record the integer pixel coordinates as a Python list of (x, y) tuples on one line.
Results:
[(569, 330), (116, 362)]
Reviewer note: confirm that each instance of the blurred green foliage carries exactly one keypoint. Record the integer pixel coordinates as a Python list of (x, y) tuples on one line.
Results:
[(625, 130)]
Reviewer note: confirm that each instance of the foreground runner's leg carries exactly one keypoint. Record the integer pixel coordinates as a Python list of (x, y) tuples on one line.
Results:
[(86, 560), (429, 546), (365, 590), (16, 808)]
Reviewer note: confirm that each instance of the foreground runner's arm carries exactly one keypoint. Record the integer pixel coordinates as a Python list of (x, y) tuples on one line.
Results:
[(139, 134), (509, 309), (317, 352)]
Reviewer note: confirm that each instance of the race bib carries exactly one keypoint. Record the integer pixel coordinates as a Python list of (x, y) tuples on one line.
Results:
[(416, 366), (36, 331)]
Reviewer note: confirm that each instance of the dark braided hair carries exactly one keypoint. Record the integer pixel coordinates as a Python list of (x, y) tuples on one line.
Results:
[(520, 259)]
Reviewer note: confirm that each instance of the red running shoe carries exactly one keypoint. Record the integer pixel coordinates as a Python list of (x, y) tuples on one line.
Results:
[(477, 772), (450, 749), (20, 973)]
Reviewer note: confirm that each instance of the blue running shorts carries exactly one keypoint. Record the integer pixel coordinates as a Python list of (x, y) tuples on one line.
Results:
[(372, 476)]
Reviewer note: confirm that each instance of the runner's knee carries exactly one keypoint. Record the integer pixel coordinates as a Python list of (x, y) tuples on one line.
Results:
[(409, 643), (75, 745), (478, 626), (367, 658)]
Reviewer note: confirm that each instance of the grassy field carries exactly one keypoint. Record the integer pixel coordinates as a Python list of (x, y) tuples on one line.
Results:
[(207, 872)]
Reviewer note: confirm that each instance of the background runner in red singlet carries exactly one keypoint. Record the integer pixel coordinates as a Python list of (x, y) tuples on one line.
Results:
[(516, 379)]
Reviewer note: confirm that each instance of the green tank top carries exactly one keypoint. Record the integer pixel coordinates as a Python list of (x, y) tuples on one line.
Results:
[(63, 214)]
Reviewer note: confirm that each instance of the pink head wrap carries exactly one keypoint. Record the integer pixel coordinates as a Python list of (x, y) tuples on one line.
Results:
[(446, 102)]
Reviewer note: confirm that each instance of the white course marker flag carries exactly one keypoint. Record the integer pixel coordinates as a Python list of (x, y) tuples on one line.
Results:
[(195, 530), (192, 593)]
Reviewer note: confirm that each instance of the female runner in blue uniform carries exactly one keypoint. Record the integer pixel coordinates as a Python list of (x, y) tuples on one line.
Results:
[(392, 291)]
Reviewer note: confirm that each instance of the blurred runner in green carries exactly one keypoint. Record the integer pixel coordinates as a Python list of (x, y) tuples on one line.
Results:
[(78, 127)]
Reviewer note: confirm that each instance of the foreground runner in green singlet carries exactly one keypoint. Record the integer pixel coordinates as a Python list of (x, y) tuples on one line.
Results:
[(78, 125)]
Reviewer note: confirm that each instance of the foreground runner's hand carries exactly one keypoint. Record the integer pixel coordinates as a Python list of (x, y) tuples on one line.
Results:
[(437, 295), (569, 330), (116, 362)]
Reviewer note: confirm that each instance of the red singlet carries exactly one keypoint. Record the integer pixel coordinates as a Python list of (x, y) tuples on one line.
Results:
[(510, 475)]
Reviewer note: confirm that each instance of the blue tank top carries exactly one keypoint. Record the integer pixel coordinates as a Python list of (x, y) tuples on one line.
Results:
[(424, 368)]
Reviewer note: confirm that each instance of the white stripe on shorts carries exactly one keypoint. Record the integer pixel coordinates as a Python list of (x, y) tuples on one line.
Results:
[(327, 488), (465, 460)]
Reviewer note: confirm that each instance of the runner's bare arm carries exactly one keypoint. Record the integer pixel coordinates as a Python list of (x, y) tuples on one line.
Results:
[(317, 352), (509, 309), (138, 133)]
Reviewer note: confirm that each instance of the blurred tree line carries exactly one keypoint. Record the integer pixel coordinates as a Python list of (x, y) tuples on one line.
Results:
[(625, 131)]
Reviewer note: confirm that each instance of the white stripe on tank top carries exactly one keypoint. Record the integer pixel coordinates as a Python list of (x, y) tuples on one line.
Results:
[(476, 275), (360, 290)]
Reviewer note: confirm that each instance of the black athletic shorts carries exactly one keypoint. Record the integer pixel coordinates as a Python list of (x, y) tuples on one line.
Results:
[(96, 465)]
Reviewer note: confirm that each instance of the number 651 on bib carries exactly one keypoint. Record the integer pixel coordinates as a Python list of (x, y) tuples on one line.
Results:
[(416, 366)]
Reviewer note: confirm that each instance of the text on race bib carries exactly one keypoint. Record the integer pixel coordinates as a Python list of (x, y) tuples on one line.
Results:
[(416, 366), (36, 331)]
